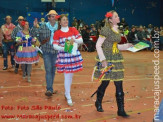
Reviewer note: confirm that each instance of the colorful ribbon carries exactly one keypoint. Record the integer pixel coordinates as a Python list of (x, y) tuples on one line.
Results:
[(104, 71)]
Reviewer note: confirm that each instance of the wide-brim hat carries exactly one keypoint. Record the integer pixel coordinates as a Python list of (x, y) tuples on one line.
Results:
[(8, 17), (52, 12), (20, 17)]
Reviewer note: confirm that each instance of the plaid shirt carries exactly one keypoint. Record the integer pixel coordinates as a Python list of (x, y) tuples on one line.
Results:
[(43, 33), (15, 31), (7, 30)]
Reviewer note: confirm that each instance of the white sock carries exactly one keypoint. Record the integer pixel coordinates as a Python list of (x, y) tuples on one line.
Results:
[(67, 83)]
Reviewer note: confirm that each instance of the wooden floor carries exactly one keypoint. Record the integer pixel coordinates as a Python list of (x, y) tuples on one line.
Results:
[(21, 99)]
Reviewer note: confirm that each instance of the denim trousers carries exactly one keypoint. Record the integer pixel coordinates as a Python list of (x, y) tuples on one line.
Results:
[(8, 46), (49, 63)]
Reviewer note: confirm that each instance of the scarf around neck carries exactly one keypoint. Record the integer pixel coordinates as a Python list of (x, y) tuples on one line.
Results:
[(52, 29)]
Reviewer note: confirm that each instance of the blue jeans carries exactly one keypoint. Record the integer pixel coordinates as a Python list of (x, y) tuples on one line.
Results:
[(49, 63), (149, 43), (8, 46)]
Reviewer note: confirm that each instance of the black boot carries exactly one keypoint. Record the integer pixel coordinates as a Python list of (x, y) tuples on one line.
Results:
[(98, 102), (100, 94), (120, 104)]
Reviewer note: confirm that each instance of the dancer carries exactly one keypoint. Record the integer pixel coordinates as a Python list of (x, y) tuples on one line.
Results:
[(26, 54), (45, 35), (110, 53), (67, 62), (7, 42), (13, 35)]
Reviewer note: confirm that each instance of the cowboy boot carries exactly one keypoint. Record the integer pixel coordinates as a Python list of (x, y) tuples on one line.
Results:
[(100, 95), (120, 104), (98, 102)]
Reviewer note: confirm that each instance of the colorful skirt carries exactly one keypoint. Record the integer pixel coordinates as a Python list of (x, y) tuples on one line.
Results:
[(117, 72), (68, 63), (26, 55)]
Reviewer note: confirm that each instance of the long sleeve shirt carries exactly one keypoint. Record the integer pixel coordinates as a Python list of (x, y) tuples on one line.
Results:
[(43, 33)]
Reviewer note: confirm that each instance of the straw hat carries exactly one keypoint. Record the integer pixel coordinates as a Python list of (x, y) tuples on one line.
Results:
[(8, 17), (20, 17), (52, 12)]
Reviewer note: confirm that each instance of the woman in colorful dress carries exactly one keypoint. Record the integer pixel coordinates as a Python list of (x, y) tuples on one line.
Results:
[(108, 53), (67, 63), (26, 54)]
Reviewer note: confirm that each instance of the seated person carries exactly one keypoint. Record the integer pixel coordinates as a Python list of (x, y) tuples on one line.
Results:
[(87, 41), (132, 36), (83, 30), (149, 29), (92, 26), (93, 32), (147, 34), (143, 38), (136, 29)]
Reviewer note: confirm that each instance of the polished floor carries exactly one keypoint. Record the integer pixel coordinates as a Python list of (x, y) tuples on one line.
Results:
[(20, 100)]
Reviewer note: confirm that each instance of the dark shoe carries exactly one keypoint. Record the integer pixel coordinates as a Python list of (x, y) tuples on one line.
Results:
[(4, 68), (48, 93), (16, 71), (100, 94), (120, 104), (123, 114), (98, 102), (99, 106), (55, 92)]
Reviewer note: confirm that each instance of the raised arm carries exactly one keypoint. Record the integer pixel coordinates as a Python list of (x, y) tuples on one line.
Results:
[(35, 30)]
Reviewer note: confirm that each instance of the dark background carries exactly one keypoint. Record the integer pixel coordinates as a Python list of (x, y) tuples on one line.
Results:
[(137, 12)]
